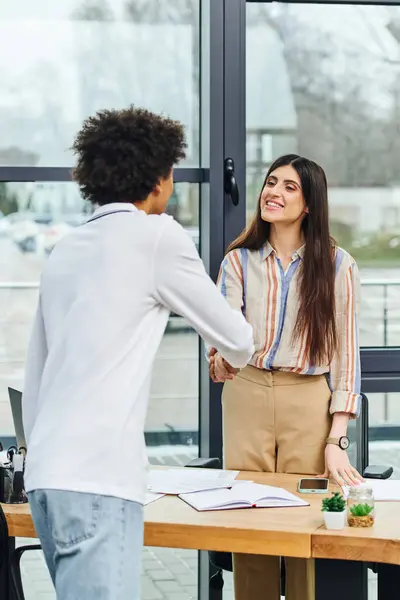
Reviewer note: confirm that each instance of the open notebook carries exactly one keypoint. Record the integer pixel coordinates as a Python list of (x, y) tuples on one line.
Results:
[(246, 495)]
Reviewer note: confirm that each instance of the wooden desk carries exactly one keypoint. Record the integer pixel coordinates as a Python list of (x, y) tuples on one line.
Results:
[(380, 543), (282, 532), (295, 532), (171, 523)]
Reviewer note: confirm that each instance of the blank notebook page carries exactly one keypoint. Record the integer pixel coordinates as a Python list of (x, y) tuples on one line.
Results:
[(246, 495)]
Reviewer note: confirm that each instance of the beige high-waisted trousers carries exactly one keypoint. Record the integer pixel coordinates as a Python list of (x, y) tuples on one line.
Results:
[(275, 421)]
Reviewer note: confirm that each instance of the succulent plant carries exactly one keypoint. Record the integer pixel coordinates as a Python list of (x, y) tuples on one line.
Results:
[(335, 503), (361, 510)]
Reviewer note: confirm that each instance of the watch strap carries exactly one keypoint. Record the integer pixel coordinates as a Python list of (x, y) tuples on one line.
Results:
[(343, 442), (332, 440)]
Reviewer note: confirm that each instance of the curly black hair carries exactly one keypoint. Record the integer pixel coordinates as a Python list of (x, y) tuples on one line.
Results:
[(123, 154)]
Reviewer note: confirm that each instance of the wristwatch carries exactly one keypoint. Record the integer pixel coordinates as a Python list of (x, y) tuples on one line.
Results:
[(343, 442)]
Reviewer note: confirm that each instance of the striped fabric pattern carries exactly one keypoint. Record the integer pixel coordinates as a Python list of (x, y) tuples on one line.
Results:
[(256, 283)]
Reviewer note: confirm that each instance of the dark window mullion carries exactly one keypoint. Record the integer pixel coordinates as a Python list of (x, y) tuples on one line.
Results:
[(353, 2), (64, 174), (380, 362)]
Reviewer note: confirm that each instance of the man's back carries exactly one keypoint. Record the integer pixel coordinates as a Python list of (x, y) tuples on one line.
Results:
[(105, 297), (103, 326)]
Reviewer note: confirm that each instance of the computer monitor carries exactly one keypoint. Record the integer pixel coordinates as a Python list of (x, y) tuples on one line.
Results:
[(16, 409)]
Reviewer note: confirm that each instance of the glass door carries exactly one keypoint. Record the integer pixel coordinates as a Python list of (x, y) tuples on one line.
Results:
[(322, 79)]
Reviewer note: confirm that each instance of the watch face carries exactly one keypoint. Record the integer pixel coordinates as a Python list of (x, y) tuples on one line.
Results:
[(344, 442)]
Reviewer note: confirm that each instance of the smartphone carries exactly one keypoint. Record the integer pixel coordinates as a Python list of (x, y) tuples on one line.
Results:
[(313, 485), (378, 472)]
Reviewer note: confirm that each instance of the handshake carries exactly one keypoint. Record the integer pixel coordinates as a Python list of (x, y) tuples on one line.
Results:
[(220, 371)]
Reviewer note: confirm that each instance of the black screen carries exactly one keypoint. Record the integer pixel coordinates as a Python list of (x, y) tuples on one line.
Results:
[(314, 484)]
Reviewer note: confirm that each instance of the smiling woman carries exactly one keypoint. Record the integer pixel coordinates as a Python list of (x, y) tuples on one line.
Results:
[(292, 214), (299, 291)]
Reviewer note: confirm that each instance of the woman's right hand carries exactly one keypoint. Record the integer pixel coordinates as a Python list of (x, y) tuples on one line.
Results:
[(220, 371)]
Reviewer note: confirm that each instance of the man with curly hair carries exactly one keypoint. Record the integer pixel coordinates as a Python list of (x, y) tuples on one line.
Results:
[(105, 296)]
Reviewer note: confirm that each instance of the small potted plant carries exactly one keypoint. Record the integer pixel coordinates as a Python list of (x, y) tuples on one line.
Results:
[(361, 515), (360, 506), (334, 509)]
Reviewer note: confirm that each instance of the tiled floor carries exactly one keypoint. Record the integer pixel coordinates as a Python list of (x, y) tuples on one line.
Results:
[(167, 575), (172, 574)]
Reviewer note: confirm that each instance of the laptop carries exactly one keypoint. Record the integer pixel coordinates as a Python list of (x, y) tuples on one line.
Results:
[(16, 409)]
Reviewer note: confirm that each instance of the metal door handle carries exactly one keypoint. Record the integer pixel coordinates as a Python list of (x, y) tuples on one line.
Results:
[(230, 185)]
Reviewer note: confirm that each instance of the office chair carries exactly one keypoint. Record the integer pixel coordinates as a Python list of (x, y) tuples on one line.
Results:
[(10, 558), (3, 544), (222, 561), (15, 569)]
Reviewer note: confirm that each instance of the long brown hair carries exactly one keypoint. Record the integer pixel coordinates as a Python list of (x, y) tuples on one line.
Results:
[(316, 315)]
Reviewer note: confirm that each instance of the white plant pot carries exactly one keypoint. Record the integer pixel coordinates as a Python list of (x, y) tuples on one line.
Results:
[(335, 520)]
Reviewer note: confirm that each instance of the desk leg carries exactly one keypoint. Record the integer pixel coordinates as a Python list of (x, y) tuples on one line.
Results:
[(388, 581), (344, 579)]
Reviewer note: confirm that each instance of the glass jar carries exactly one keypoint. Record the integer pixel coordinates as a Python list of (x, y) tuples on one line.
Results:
[(360, 506)]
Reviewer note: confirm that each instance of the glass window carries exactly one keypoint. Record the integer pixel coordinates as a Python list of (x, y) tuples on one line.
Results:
[(384, 431), (35, 217), (323, 81), (72, 58)]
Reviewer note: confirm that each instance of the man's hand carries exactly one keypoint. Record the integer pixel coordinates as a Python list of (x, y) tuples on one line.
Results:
[(211, 366), (337, 465), (220, 371)]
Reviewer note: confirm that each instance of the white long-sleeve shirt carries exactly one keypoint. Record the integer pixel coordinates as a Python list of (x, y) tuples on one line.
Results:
[(106, 293)]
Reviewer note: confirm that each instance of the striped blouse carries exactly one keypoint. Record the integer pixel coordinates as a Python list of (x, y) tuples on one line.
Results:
[(255, 283)]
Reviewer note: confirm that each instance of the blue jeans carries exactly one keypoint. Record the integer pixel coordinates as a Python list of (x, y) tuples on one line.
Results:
[(92, 544)]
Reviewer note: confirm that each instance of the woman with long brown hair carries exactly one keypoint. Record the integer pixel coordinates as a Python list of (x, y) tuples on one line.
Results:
[(288, 410)]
